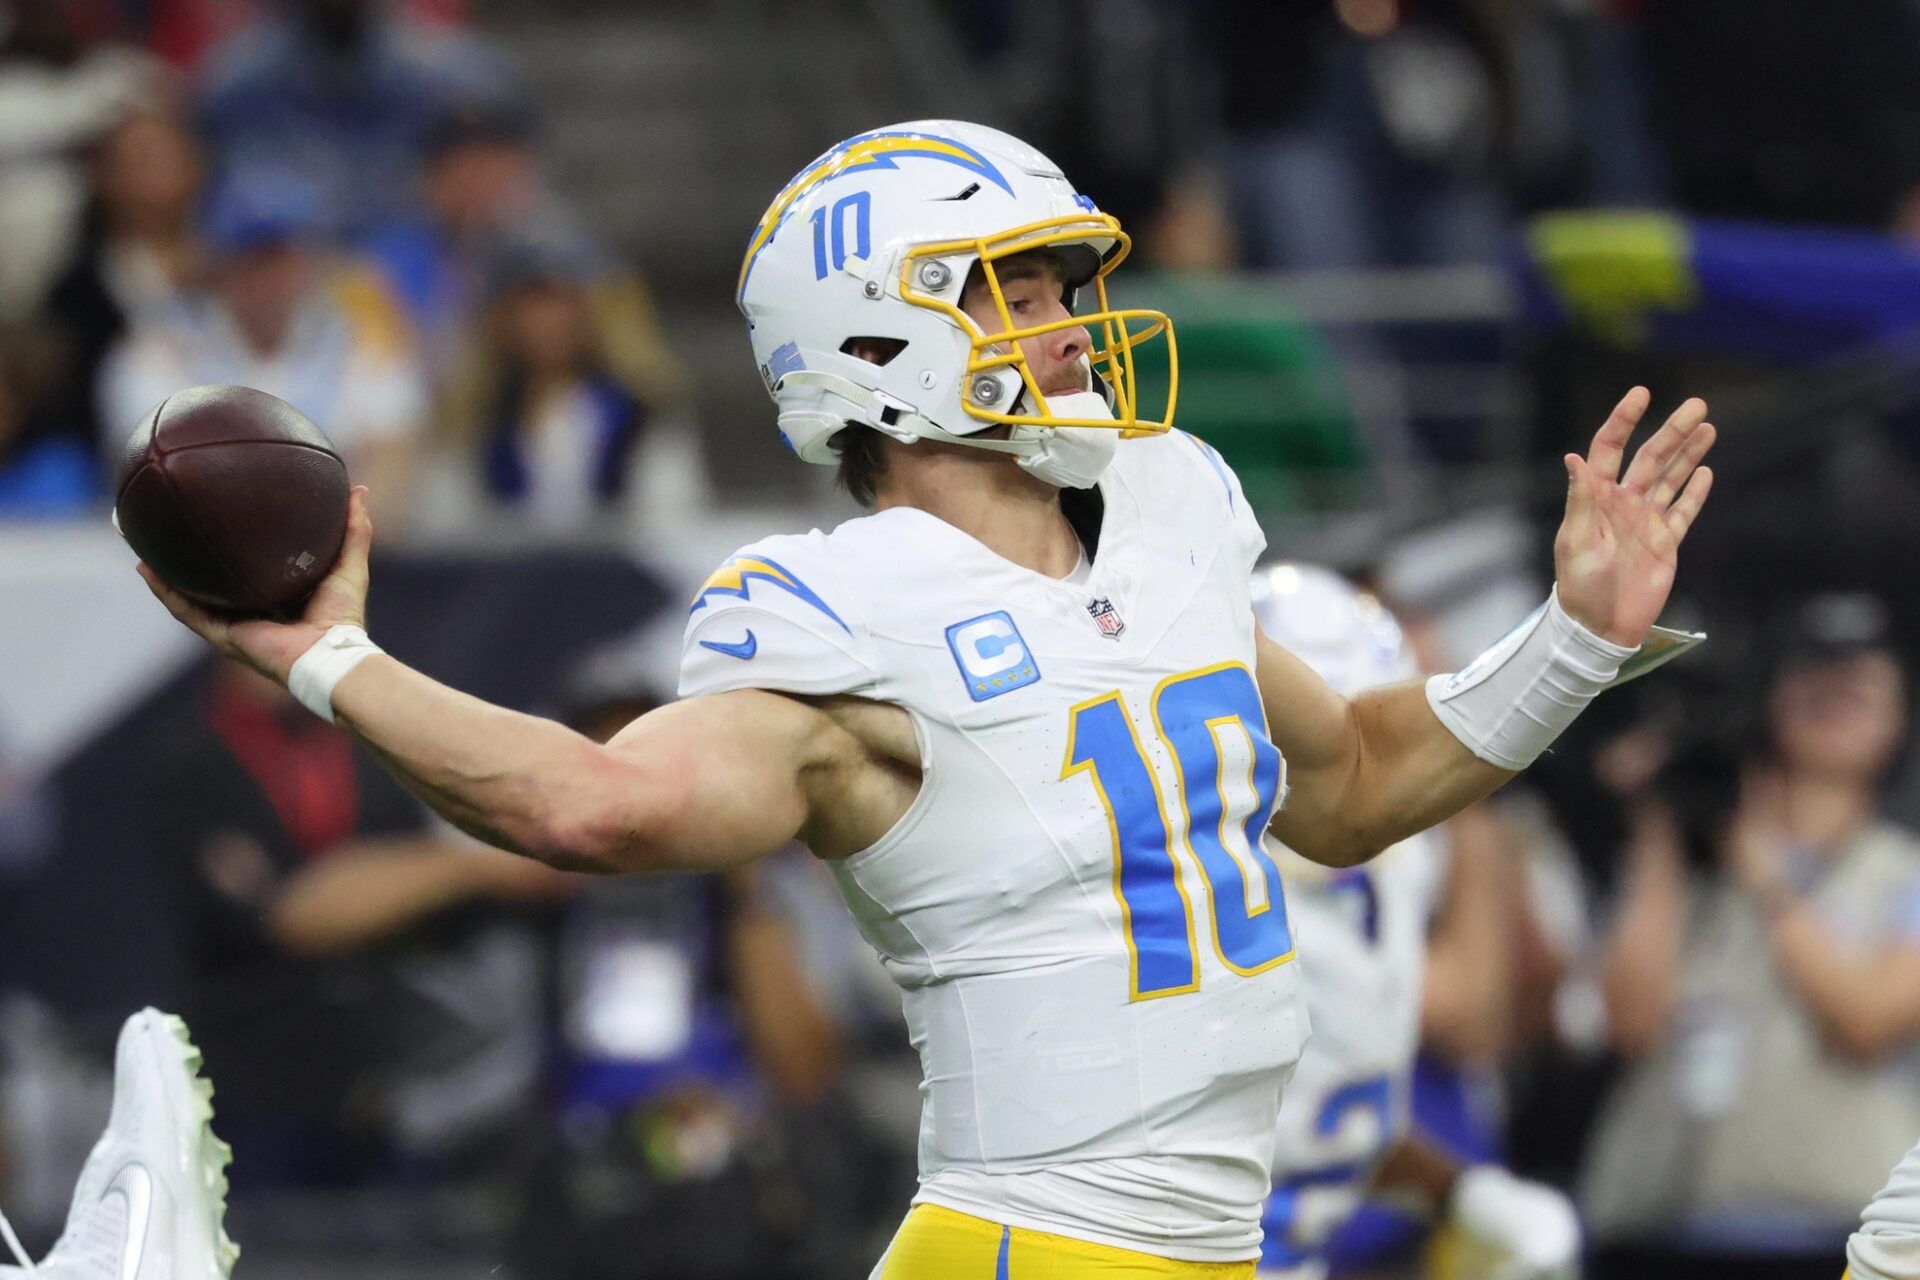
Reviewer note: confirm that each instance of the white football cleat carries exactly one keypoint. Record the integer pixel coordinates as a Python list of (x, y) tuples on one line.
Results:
[(151, 1202)]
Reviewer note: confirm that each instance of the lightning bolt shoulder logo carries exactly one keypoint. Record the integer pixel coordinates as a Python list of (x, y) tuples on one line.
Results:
[(878, 150), (737, 576)]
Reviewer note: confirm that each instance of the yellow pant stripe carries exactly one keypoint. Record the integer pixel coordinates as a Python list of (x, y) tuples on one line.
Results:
[(936, 1243)]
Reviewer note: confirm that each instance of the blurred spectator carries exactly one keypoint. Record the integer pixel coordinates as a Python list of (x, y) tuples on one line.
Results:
[(549, 421), (1117, 94), (138, 252), (345, 91), (43, 471), (183, 31), (284, 315), (1366, 140), (480, 178), (1777, 109), (1763, 979), (59, 91), (344, 962)]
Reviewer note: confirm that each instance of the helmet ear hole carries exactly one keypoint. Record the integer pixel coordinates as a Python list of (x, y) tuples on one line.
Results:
[(874, 350)]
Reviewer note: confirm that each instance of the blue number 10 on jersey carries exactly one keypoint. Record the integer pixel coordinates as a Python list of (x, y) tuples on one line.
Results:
[(1195, 715)]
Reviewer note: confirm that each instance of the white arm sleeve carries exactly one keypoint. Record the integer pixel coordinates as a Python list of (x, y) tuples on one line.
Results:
[(1511, 702)]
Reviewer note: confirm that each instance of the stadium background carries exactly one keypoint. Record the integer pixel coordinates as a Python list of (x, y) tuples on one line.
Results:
[(1414, 251)]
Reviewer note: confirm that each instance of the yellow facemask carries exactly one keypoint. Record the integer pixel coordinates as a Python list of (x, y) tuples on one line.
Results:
[(1116, 333)]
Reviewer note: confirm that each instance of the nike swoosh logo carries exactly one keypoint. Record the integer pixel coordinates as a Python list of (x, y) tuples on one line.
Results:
[(743, 650), (136, 1184)]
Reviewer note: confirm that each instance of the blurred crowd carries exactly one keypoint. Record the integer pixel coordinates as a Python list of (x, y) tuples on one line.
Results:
[(1676, 970), (1358, 133), (341, 202)]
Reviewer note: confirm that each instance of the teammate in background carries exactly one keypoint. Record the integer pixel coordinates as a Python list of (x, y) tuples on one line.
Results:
[(1363, 935), (1022, 710), (151, 1202), (1887, 1245)]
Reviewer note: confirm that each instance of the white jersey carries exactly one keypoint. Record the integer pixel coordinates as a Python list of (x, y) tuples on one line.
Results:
[(1887, 1245), (1363, 935), (1093, 949)]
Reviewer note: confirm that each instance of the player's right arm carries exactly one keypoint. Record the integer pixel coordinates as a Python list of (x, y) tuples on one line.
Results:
[(705, 784), (701, 785)]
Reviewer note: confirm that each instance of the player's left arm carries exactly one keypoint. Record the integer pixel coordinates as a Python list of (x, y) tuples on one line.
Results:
[(1362, 773), (1367, 772)]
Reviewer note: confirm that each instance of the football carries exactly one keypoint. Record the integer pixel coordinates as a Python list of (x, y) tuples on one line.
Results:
[(234, 497)]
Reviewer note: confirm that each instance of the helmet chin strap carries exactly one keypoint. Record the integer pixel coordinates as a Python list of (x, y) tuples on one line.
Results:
[(1065, 461), (905, 425)]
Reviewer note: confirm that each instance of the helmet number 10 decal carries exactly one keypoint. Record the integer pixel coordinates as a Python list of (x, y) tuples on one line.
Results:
[(831, 224), (1229, 772)]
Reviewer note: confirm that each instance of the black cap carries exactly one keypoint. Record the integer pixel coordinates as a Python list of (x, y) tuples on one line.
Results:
[(543, 251), (1832, 626)]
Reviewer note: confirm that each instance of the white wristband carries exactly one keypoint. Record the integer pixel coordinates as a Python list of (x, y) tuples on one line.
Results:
[(1511, 702), (1531, 1229), (325, 664)]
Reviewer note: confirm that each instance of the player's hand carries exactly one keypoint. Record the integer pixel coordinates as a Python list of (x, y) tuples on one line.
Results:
[(1615, 554), (270, 646), (1521, 1230)]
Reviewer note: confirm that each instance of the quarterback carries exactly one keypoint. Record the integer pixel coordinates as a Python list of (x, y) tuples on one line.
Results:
[(1022, 709)]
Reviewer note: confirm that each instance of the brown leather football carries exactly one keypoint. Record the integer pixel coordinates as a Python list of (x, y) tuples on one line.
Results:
[(233, 497)]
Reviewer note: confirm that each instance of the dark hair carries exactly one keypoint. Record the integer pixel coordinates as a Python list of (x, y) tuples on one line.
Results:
[(863, 457)]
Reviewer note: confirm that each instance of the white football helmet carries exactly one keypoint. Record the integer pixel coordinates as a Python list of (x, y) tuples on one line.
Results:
[(1342, 632), (876, 239)]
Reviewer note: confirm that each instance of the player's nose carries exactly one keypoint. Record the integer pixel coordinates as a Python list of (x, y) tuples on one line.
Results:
[(1064, 346)]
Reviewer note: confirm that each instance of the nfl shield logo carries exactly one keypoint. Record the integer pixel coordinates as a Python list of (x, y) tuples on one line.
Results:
[(1106, 617)]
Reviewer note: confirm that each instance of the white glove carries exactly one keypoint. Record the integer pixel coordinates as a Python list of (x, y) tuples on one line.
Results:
[(1528, 1230)]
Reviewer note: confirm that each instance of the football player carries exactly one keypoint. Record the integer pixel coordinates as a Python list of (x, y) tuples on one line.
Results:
[(1343, 1133), (1887, 1245), (1021, 709)]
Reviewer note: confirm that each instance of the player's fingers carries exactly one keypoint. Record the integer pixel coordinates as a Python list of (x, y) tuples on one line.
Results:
[(1579, 495), (1674, 477), (359, 541), (161, 591), (342, 595), (190, 614), (1681, 514), (1661, 448), (1610, 442)]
